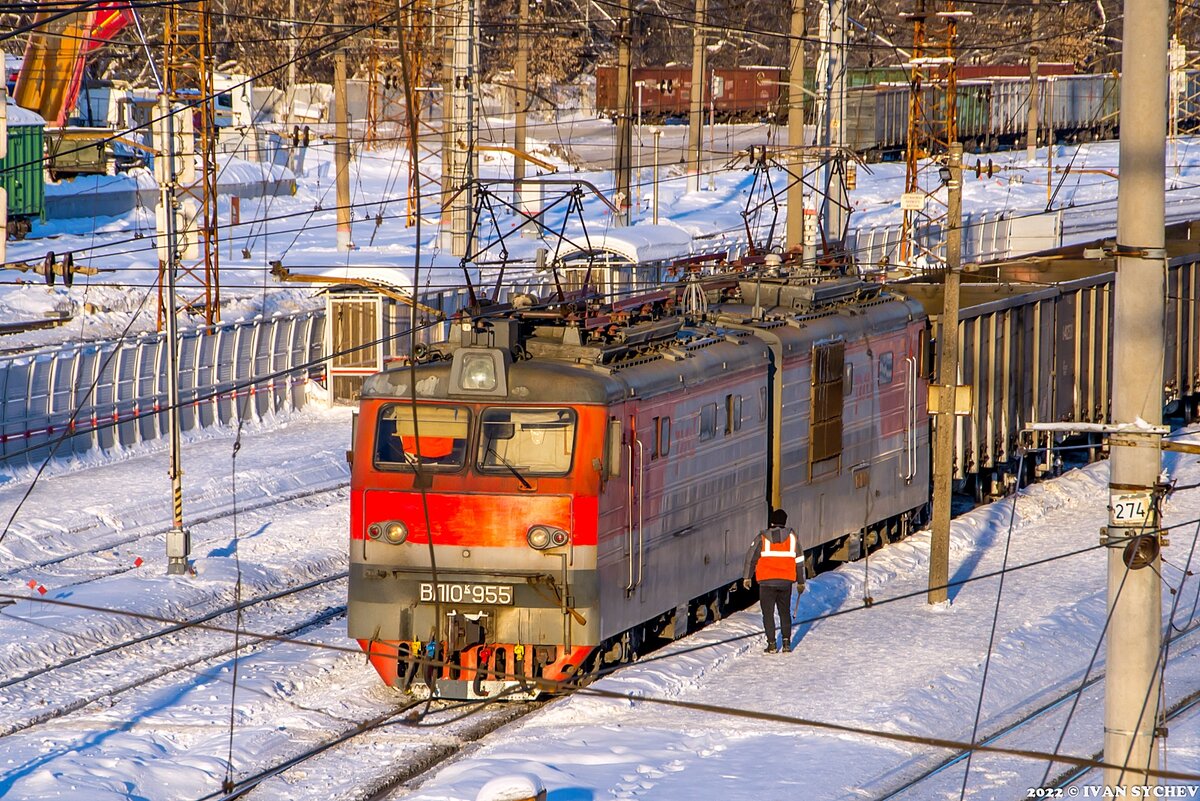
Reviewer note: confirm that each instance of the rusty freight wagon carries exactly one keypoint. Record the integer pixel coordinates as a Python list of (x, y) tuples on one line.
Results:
[(737, 93)]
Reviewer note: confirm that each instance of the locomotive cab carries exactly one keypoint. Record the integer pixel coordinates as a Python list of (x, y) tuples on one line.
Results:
[(474, 521)]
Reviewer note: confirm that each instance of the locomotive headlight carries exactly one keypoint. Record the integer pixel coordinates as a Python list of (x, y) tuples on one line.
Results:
[(538, 538), (542, 537), (395, 532), (478, 371)]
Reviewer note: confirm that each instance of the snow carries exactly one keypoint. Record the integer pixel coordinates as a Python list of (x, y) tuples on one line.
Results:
[(21, 116), (513, 787), (153, 721), (896, 666), (302, 231), (643, 242)]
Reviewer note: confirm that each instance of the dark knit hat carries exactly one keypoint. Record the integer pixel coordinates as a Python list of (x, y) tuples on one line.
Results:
[(778, 517)]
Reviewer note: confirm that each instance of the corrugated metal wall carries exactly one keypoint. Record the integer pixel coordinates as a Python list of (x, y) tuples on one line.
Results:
[(112, 393)]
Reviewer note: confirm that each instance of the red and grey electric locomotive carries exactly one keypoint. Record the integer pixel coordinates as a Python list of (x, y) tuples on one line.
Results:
[(590, 478)]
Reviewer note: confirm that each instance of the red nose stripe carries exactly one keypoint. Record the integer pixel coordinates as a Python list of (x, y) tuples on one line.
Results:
[(482, 520)]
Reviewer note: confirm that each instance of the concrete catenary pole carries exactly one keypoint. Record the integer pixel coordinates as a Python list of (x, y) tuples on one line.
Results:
[(520, 94), (179, 541), (1031, 123), (837, 203), (794, 232), (943, 444), (624, 160), (291, 79), (458, 152), (341, 136), (696, 98), (1131, 690)]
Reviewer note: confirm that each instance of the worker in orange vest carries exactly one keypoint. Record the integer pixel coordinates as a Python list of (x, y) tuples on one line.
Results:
[(776, 562)]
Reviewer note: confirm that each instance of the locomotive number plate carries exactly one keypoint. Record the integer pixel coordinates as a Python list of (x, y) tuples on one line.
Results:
[(458, 593)]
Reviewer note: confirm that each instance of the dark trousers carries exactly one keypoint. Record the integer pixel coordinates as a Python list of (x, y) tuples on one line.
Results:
[(772, 596)]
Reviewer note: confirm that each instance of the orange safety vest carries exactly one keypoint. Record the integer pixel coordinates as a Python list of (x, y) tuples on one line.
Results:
[(777, 560)]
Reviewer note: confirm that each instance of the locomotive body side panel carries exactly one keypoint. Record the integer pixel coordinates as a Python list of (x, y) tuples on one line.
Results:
[(882, 469), (683, 507)]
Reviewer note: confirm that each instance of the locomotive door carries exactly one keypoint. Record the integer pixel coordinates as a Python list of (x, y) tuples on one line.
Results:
[(634, 516)]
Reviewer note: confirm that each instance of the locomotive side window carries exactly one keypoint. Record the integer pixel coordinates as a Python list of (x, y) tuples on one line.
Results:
[(885, 369), (733, 414), (828, 399), (662, 437), (708, 421), (443, 432), (532, 442)]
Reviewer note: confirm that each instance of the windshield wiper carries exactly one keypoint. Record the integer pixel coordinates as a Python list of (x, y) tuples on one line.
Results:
[(510, 467)]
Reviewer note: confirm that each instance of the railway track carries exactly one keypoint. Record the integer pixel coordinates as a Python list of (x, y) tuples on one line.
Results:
[(420, 750), (160, 659), (155, 528), (1041, 712), (1174, 711), (424, 752)]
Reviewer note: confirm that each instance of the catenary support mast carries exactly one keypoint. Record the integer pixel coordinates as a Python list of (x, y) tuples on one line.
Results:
[(1131, 691), (696, 99), (796, 162), (947, 388)]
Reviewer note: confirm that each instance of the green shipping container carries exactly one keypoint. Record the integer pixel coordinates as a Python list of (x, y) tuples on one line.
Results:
[(21, 170)]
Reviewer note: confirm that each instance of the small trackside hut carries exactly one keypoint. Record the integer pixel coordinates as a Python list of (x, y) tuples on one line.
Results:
[(555, 487)]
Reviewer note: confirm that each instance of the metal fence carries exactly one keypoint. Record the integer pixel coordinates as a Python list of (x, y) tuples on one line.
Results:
[(113, 393)]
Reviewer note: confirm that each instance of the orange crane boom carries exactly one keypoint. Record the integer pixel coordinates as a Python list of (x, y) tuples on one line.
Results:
[(52, 73)]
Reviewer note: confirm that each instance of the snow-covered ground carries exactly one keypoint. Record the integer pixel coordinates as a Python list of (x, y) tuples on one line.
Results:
[(300, 230), (898, 666), (153, 720)]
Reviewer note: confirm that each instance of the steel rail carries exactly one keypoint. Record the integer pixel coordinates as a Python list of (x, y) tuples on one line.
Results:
[(1025, 719), (155, 528), (109, 692)]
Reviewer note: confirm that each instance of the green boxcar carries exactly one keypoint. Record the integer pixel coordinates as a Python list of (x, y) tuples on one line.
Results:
[(21, 171)]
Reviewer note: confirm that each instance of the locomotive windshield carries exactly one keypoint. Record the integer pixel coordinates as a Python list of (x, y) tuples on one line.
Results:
[(443, 431), (531, 442)]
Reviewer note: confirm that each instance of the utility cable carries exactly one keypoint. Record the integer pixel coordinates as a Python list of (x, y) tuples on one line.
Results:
[(745, 714), (1088, 670), (987, 662), (71, 421), (237, 591)]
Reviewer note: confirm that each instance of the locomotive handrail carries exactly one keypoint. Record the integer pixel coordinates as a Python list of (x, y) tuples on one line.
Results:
[(629, 518), (641, 507), (910, 435)]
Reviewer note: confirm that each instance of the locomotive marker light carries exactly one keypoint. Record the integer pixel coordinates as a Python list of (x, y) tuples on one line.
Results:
[(538, 538), (393, 532)]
